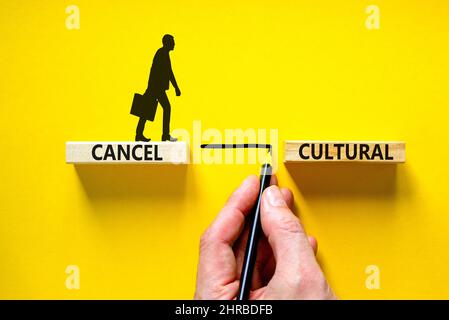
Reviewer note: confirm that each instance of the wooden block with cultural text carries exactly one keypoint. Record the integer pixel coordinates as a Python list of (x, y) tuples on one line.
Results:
[(346, 151)]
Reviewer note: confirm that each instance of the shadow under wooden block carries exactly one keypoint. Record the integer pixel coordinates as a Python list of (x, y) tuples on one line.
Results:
[(344, 179), (128, 181)]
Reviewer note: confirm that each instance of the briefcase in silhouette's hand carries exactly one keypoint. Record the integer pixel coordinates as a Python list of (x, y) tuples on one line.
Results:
[(144, 106)]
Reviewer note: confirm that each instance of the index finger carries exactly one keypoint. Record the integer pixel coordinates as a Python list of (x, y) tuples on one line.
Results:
[(229, 223)]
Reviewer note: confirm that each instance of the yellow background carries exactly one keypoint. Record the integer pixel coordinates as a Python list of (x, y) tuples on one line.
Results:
[(310, 69)]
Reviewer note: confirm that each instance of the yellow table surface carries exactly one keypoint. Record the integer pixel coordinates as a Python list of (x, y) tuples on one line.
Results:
[(310, 69)]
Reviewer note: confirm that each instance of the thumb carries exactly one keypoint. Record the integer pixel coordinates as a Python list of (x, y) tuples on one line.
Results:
[(288, 240)]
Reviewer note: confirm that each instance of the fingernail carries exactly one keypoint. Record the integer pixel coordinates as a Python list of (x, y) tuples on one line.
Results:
[(275, 197), (247, 181)]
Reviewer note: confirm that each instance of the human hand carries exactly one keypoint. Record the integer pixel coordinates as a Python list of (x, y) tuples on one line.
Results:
[(178, 92), (285, 268)]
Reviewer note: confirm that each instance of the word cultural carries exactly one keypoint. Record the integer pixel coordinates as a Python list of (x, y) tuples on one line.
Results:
[(345, 151)]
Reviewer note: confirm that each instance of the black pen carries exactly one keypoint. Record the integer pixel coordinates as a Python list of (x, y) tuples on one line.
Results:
[(253, 237)]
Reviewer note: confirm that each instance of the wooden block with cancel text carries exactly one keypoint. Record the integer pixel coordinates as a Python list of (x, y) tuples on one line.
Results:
[(127, 152)]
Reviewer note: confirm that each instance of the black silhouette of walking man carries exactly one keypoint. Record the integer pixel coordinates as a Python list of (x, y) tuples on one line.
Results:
[(161, 75)]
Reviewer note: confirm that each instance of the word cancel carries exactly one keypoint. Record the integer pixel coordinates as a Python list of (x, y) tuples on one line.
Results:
[(301, 151), (126, 152)]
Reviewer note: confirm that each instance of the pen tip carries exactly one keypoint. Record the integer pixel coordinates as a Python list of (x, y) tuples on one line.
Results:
[(268, 158)]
